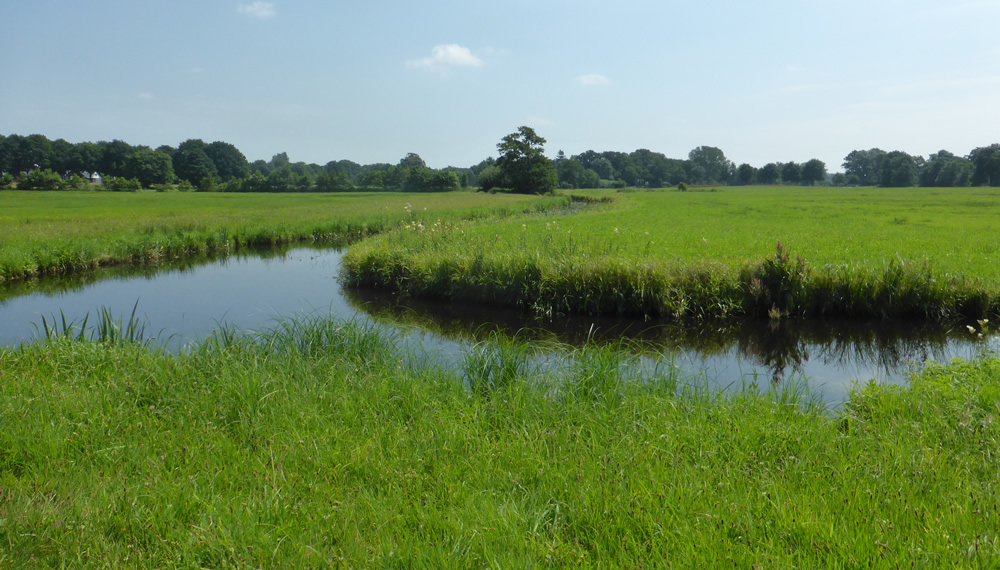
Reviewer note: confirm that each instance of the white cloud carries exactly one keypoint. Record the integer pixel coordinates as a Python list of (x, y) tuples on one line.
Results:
[(446, 56), (259, 10), (145, 96), (593, 80)]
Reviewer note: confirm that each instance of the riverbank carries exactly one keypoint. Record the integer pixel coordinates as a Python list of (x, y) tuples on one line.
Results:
[(324, 443), (926, 254), (50, 233)]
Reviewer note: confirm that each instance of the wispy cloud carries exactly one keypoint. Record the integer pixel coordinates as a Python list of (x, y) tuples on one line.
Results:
[(446, 56), (145, 96), (259, 10), (593, 80)]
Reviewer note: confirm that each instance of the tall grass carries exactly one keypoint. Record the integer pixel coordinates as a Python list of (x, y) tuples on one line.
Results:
[(316, 444)]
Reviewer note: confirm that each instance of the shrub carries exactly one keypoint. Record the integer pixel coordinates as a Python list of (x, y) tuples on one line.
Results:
[(120, 184), (682, 187), (39, 179)]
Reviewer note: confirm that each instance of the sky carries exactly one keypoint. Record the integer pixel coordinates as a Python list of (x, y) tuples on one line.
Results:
[(373, 80)]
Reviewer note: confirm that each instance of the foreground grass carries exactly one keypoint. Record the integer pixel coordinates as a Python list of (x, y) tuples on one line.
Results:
[(65, 232), (323, 444), (883, 253)]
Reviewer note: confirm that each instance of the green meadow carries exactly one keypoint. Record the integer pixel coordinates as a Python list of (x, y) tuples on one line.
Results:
[(758, 251), (323, 443), (63, 232)]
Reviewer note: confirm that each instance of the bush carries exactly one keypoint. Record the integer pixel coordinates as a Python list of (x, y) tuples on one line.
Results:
[(682, 187), (120, 184), (39, 179)]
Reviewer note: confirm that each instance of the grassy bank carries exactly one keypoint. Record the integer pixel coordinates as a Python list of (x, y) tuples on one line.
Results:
[(883, 253), (324, 444), (63, 232)]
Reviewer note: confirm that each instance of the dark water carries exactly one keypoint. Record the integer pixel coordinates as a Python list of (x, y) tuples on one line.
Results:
[(184, 302)]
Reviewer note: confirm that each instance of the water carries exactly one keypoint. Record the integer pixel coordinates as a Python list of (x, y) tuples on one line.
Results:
[(183, 303)]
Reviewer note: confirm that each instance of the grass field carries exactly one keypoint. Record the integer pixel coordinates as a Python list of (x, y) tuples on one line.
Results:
[(322, 444), (61, 232), (913, 253)]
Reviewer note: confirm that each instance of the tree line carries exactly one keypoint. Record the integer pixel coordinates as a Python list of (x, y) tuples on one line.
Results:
[(35, 162)]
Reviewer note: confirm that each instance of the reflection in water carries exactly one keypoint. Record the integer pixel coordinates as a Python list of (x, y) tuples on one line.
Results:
[(782, 348), (186, 300)]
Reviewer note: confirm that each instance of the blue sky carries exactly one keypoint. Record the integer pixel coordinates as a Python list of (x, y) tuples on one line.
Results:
[(369, 80)]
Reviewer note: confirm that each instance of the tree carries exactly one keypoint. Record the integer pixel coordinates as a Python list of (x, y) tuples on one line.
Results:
[(865, 165), (412, 160), (603, 168), (770, 173), (745, 174), (192, 163), (713, 162), (987, 165), (149, 166), (570, 171), (791, 173), (113, 157), (333, 181), (491, 178), (228, 160), (839, 179), (523, 163), (370, 179), (944, 169), (813, 171), (899, 170)]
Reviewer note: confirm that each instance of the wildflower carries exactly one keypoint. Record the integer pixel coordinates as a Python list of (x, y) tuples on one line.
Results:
[(616, 231)]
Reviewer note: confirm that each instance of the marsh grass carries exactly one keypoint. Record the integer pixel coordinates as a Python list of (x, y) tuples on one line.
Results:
[(315, 444)]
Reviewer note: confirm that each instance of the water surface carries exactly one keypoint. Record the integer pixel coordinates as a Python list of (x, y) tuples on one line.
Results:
[(183, 303)]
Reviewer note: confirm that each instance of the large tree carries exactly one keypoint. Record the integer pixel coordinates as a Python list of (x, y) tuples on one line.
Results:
[(944, 169), (192, 163), (113, 156), (864, 166), (229, 161), (523, 163), (791, 173), (149, 166), (899, 170), (987, 165), (813, 171), (745, 174), (770, 173), (714, 165)]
